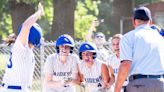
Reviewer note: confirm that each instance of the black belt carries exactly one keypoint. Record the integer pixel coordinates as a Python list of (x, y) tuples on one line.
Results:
[(139, 76), (12, 86)]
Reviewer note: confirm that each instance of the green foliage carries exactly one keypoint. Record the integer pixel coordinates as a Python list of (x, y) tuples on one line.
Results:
[(138, 2), (106, 11), (86, 11), (5, 20), (28, 1), (5, 25), (46, 21)]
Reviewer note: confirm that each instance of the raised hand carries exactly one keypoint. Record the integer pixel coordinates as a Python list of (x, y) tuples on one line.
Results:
[(41, 9)]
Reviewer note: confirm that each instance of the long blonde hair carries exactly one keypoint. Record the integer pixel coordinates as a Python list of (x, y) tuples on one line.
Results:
[(10, 39)]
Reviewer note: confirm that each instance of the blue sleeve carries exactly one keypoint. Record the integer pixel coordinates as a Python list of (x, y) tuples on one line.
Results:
[(126, 48)]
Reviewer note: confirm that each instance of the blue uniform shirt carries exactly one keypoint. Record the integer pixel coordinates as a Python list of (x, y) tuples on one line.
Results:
[(145, 48)]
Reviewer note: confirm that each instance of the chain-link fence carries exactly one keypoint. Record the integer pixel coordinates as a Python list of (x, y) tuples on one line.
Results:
[(40, 56)]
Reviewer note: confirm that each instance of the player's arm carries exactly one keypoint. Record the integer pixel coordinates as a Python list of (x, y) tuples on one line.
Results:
[(92, 29), (23, 36), (76, 75), (79, 75), (48, 74), (112, 77), (105, 74), (122, 74), (76, 79), (50, 83), (82, 81)]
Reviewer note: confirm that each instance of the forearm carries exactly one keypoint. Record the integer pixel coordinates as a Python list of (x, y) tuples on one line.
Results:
[(23, 36), (32, 19), (112, 80), (54, 84), (112, 77), (122, 75), (105, 75), (75, 78), (76, 82), (89, 36)]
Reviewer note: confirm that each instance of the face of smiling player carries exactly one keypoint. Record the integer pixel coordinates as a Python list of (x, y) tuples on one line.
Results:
[(87, 56), (115, 45), (64, 50)]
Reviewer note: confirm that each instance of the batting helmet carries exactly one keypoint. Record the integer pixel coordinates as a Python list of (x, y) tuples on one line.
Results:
[(86, 46), (34, 35), (65, 40)]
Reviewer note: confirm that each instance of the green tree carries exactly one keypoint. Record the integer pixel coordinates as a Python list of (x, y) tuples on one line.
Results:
[(20, 10), (46, 21), (5, 20), (86, 11), (63, 18)]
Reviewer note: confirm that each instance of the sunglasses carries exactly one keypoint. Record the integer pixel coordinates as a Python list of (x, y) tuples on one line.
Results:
[(99, 37)]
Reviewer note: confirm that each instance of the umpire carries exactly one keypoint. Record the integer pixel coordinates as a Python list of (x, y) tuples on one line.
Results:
[(142, 56)]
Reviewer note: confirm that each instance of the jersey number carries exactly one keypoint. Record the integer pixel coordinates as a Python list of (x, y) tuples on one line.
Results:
[(9, 65)]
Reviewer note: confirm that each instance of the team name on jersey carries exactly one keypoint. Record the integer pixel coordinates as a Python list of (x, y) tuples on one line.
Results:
[(62, 73), (93, 80)]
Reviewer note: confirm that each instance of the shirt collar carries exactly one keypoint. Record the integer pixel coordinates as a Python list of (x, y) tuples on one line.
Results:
[(142, 26)]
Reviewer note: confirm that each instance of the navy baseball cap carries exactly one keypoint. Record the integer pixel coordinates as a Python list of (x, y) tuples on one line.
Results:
[(142, 13)]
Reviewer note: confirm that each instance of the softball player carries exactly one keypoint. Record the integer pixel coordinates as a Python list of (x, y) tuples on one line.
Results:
[(113, 61), (20, 67), (61, 68), (94, 75)]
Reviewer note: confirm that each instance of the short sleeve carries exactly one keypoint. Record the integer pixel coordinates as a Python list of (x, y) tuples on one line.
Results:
[(75, 66), (18, 46), (48, 68), (108, 60), (126, 48)]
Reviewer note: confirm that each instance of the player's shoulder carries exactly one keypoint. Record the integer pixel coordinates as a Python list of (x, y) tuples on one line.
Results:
[(52, 56), (74, 56), (111, 56), (18, 45), (99, 62)]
